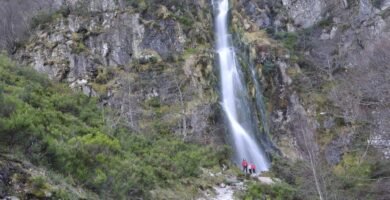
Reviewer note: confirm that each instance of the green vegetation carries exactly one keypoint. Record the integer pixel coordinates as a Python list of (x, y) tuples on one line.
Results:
[(79, 48), (269, 67), (39, 186), (325, 22), (278, 191), (352, 171), (385, 13), (42, 19), (104, 75), (289, 40), (65, 132), (357, 176), (142, 5), (78, 45), (185, 20)]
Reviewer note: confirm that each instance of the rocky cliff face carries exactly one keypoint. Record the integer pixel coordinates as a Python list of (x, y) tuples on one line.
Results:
[(322, 66), (155, 62), (152, 63), (337, 40)]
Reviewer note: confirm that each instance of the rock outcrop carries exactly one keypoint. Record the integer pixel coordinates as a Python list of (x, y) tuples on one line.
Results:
[(339, 38), (22, 180), (154, 68)]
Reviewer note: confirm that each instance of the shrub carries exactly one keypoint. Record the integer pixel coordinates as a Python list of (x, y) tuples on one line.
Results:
[(39, 186), (185, 20), (325, 22), (104, 75), (351, 167), (79, 47), (65, 132), (278, 192), (7, 105), (289, 40), (43, 18), (269, 67)]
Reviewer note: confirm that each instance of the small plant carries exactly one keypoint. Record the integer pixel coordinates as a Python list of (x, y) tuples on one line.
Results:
[(269, 67), (39, 186), (186, 21), (153, 102), (38, 182), (289, 40), (280, 191), (79, 48), (43, 18), (325, 22), (104, 75)]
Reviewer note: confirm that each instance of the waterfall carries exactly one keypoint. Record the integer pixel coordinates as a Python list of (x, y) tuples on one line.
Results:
[(235, 102)]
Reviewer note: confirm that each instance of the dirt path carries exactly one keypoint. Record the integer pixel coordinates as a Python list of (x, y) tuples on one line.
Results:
[(224, 193)]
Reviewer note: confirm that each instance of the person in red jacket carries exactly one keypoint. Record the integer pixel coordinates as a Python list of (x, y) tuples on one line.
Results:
[(253, 166), (244, 166)]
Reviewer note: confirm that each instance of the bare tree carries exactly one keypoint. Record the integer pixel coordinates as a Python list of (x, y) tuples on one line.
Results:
[(304, 132), (15, 19), (181, 100)]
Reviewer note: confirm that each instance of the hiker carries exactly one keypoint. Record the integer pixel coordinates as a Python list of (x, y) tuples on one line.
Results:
[(253, 167), (250, 168), (244, 166)]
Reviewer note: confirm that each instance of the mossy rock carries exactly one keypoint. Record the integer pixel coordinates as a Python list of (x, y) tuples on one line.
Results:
[(149, 56), (163, 12), (39, 187)]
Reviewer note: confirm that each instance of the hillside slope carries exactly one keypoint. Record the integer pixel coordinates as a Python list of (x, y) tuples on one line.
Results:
[(321, 66), (70, 144)]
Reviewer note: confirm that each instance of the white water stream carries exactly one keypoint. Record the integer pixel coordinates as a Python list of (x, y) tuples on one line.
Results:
[(234, 103)]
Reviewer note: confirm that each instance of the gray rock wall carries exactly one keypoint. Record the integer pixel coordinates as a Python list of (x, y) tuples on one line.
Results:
[(335, 43), (148, 66)]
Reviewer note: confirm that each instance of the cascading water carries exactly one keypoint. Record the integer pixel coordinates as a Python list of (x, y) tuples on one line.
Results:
[(234, 99)]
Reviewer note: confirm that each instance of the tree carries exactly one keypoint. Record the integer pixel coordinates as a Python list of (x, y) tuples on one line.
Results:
[(15, 19)]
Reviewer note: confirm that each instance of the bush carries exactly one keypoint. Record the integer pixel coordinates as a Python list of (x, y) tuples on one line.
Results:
[(65, 132), (39, 186), (289, 40), (325, 22), (352, 172), (44, 18), (7, 105), (277, 192), (185, 20), (269, 67), (104, 75)]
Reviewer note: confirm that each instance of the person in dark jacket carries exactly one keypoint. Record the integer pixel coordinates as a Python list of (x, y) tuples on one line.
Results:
[(253, 167)]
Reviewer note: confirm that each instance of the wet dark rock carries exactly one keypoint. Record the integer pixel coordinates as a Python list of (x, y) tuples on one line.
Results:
[(164, 38)]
